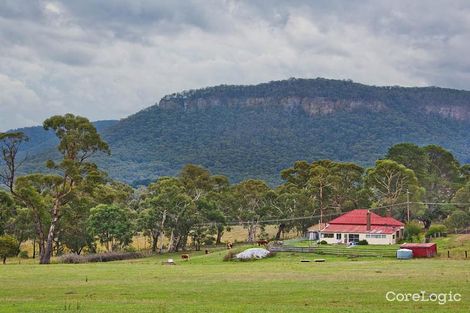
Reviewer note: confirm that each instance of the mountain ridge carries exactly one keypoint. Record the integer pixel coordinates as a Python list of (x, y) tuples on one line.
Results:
[(255, 131)]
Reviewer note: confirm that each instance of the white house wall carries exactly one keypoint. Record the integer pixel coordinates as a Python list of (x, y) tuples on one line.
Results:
[(373, 241)]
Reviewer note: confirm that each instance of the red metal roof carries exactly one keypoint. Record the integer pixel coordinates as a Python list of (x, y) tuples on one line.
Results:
[(339, 228), (417, 245), (359, 217)]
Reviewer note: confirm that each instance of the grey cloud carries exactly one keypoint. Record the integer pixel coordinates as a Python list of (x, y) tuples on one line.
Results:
[(108, 59)]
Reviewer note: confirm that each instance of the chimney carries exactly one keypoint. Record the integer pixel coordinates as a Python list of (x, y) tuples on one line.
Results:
[(368, 220)]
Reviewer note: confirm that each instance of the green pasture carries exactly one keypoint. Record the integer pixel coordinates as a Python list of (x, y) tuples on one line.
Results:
[(207, 284)]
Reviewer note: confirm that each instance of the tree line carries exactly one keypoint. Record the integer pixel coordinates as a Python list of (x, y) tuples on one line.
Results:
[(75, 205)]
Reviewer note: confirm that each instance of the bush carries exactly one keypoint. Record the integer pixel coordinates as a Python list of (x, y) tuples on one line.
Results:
[(8, 247), (230, 256), (412, 229), (130, 249), (23, 255), (436, 231), (209, 241), (362, 242), (73, 258), (271, 255), (458, 220), (323, 242)]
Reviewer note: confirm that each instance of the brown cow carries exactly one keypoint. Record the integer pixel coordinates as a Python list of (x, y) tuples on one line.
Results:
[(262, 242), (185, 257)]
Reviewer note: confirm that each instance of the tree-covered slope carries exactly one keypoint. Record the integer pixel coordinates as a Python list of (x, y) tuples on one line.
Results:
[(255, 131), (41, 141)]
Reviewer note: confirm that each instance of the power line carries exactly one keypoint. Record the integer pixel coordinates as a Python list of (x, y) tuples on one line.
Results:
[(403, 204), (234, 223), (443, 203)]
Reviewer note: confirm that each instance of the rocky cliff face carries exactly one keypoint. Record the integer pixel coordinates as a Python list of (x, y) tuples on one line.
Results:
[(459, 113), (324, 97), (312, 106)]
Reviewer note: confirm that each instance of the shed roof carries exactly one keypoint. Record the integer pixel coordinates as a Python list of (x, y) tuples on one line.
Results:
[(417, 245)]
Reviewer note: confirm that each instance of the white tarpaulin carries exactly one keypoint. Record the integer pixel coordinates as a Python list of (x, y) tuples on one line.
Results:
[(253, 253)]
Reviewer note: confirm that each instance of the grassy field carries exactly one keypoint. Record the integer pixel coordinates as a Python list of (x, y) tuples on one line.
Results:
[(456, 245), (206, 284)]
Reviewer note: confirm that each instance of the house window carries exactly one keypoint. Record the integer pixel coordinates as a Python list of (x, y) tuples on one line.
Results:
[(338, 236), (353, 237), (376, 236), (327, 235)]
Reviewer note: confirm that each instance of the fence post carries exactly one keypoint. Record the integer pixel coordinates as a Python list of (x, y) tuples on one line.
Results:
[(465, 253), (448, 254)]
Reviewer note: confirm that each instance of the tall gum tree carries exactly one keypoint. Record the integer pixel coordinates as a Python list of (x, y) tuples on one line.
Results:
[(389, 182), (78, 141), (10, 144)]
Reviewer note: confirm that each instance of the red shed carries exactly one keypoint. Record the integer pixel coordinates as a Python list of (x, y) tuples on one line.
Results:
[(421, 250)]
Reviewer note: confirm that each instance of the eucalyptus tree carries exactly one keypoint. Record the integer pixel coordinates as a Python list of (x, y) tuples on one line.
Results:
[(389, 183), (444, 179), (437, 171), (298, 175), (413, 157), (293, 201), (196, 180), (6, 210), (250, 204), (10, 144), (166, 210), (462, 197), (111, 225), (78, 141), (347, 187), (321, 184), (221, 211), (34, 193), (204, 189), (458, 219)]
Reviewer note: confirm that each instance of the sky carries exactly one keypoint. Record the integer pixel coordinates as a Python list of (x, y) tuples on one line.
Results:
[(109, 59)]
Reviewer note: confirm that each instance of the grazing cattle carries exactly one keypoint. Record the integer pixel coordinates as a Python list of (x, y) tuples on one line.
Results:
[(185, 257), (262, 242)]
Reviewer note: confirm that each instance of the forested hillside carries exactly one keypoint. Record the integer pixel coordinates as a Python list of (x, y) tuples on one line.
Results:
[(255, 131)]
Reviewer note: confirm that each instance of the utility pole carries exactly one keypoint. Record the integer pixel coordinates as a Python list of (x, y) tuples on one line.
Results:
[(408, 204)]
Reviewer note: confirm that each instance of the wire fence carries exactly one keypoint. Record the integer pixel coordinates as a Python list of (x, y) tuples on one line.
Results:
[(339, 250)]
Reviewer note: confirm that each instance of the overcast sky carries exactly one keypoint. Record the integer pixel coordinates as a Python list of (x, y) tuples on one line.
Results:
[(108, 59)]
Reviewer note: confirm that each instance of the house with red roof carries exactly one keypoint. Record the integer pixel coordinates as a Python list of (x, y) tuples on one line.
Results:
[(362, 224)]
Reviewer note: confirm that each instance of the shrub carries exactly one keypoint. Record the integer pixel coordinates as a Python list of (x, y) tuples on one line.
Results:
[(362, 242), (130, 249), (8, 247), (458, 220), (436, 230), (271, 255), (230, 256), (23, 255), (323, 242), (412, 229), (209, 241), (73, 258)]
